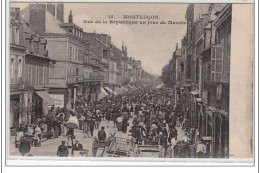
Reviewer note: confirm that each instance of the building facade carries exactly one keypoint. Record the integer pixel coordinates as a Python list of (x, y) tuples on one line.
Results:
[(202, 75), (29, 70)]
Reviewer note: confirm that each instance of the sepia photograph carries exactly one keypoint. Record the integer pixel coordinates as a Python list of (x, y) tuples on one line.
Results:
[(123, 80)]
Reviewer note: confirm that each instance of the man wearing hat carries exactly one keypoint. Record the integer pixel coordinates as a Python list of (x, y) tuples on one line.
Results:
[(77, 146)]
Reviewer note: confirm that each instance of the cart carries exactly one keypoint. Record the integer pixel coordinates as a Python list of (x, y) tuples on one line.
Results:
[(148, 151), (120, 147), (99, 148)]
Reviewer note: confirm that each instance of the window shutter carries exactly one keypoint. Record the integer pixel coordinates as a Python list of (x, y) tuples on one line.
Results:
[(217, 63)]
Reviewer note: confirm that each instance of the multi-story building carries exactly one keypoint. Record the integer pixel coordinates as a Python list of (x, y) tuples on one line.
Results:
[(203, 74), (69, 49), (215, 80), (176, 73), (29, 69), (83, 63)]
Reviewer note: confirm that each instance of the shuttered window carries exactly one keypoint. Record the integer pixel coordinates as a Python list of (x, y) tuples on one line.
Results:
[(30, 74), (20, 64), (41, 75), (70, 52), (217, 63), (17, 36), (12, 69)]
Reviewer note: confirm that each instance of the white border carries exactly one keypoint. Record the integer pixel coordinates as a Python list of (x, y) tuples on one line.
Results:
[(111, 162)]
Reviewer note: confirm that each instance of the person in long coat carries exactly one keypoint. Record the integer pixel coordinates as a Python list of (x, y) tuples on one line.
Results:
[(124, 125), (62, 150), (92, 126), (25, 146)]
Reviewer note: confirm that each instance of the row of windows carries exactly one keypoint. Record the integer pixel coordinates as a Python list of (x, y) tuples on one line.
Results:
[(14, 35), (73, 71), (74, 53), (37, 75)]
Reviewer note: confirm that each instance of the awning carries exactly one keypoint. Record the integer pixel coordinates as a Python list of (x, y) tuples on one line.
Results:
[(129, 86), (134, 87), (44, 95), (124, 88), (119, 90), (194, 92), (102, 94), (111, 91), (159, 86), (103, 91), (198, 99)]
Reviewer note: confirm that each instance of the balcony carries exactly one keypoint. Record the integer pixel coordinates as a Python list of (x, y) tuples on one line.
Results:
[(74, 78)]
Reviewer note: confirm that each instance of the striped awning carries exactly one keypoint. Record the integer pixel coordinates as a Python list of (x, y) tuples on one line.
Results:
[(45, 97), (111, 91)]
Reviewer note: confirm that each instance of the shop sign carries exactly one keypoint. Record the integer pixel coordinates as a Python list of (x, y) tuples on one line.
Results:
[(79, 91), (58, 100), (204, 97), (57, 90)]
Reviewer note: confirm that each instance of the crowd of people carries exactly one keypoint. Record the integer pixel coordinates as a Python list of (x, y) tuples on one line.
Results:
[(147, 115)]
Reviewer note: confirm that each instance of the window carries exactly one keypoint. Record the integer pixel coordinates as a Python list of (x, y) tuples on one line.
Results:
[(20, 68), (17, 36), (217, 63), (104, 54), (77, 53), (30, 74), (44, 75), (12, 69), (37, 76), (70, 52), (11, 34), (36, 46), (188, 75), (77, 73)]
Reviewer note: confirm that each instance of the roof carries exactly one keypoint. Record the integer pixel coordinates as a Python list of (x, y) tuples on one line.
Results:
[(52, 24), (25, 14)]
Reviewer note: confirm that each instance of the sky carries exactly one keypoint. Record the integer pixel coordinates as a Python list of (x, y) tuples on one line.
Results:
[(152, 44)]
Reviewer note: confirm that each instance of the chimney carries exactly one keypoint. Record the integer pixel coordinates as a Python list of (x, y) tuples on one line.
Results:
[(176, 46), (17, 14), (70, 17), (123, 49), (60, 12), (37, 18)]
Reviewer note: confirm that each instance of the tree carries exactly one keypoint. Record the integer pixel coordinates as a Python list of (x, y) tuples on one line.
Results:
[(166, 75)]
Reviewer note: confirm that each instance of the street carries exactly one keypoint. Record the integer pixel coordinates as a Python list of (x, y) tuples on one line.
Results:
[(49, 147)]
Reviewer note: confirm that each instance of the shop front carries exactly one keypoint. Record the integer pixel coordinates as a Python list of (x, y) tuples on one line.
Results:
[(221, 137), (21, 111), (59, 97), (42, 104)]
